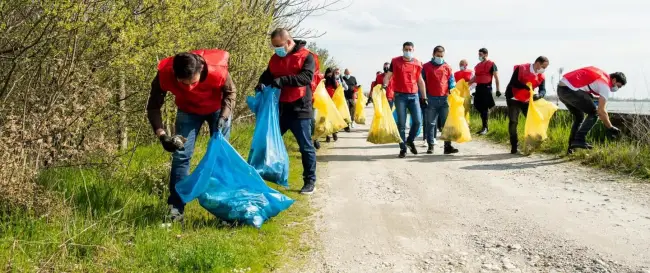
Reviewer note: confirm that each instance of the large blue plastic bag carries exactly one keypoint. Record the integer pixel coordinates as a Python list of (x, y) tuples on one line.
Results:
[(268, 155), (231, 189)]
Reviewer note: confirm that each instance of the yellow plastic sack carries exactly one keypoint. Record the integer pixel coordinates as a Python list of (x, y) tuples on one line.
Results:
[(342, 104), (463, 87), (359, 113), (383, 129), (456, 128), (328, 119), (539, 116)]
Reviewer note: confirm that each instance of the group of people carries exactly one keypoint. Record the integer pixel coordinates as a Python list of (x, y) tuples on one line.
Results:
[(205, 92)]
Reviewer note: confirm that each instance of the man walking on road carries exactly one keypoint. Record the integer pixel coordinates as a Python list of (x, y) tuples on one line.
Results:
[(350, 95), (518, 94), (406, 73), (291, 69), (439, 80), (576, 90), (390, 95), (204, 92), (484, 71)]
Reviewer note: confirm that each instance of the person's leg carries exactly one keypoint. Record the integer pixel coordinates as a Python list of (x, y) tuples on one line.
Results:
[(391, 103), (430, 119), (413, 105), (566, 96), (514, 108), (300, 129), (351, 107), (313, 130), (188, 126), (585, 104), (400, 108)]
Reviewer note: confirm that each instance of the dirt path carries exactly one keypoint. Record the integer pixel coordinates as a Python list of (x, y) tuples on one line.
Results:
[(482, 210)]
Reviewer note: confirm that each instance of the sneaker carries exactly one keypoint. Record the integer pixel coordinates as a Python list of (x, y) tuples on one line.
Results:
[(335, 137), (175, 215), (308, 188), (483, 132), (450, 150), (412, 148), (430, 149), (352, 125), (347, 129), (317, 144), (580, 146), (513, 150), (424, 144), (402, 154)]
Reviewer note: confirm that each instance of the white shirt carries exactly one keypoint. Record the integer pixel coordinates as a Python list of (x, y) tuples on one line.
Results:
[(599, 87)]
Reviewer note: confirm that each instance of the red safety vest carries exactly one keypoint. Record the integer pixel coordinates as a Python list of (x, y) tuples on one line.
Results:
[(525, 76), (463, 75), (288, 66), (331, 89), (483, 73), (390, 94), (587, 75), (406, 75), (204, 97), (437, 79), (317, 75)]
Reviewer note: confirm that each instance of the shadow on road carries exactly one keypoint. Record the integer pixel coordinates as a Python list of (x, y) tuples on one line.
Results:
[(425, 158), (514, 166), (354, 158)]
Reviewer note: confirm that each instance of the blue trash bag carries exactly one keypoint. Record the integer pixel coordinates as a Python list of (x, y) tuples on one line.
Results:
[(268, 155), (231, 189), (408, 115)]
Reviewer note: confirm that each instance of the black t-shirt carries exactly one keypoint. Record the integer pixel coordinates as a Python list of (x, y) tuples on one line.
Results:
[(351, 82)]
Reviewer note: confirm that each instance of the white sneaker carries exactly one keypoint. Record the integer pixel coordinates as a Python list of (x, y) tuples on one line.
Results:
[(424, 143), (435, 141), (352, 125)]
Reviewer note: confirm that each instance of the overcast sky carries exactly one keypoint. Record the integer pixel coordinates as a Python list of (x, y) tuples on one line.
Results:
[(612, 35)]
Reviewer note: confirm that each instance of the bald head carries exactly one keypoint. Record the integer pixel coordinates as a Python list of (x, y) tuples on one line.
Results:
[(463, 64)]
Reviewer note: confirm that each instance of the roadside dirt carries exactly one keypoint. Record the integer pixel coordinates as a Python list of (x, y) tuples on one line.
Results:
[(482, 210)]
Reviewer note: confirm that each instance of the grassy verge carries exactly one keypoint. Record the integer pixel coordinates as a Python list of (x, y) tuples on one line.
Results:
[(624, 156), (109, 220)]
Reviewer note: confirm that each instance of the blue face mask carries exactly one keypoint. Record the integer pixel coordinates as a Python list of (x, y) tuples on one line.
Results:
[(437, 60), (280, 51), (408, 54)]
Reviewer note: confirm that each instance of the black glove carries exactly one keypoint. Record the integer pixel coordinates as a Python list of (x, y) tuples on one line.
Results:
[(172, 144), (424, 103), (613, 133), (277, 83), (498, 93), (259, 87), (223, 121), (537, 97)]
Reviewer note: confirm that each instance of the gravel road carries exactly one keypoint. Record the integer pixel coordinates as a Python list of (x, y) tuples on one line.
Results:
[(482, 210)]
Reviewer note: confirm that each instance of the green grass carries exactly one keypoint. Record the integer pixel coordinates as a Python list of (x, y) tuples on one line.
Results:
[(109, 220), (624, 156)]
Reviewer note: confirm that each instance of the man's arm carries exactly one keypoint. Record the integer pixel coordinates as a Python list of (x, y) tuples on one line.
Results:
[(514, 81), (388, 75), (229, 96), (541, 90), (304, 77), (495, 73), (452, 81), (266, 78), (154, 103), (602, 112), (422, 87)]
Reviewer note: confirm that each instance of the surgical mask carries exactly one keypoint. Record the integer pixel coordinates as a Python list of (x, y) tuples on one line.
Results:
[(614, 88), (408, 54), (337, 75), (540, 71), (280, 51), (463, 68), (481, 59), (347, 76), (437, 60)]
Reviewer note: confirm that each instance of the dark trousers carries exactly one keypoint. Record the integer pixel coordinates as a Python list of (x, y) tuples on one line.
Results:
[(514, 108), (579, 103), (351, 104), (483, 102), (301, 130)]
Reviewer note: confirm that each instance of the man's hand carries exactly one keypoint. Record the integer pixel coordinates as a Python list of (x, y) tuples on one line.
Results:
[(277, 83), (498, 93), (613, 132), (172, 144), (259, 87), (536, 97), (383, 87), (424, 103), (223, 121)]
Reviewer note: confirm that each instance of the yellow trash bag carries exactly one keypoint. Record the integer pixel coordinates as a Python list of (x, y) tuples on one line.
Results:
[(342, 104), (456, 128), (383, 129), (328, 119), (463, 87), (359, 113), (539, 116)]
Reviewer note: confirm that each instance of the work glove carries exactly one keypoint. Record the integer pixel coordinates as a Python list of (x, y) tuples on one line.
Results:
[(424, 103), (613, 133), (383, 87), (277, 83), (172, 144), (259, 87), (537, 97), (498, 93), (223, 121)]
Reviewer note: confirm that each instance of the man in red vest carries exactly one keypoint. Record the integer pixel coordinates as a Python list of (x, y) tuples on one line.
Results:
[(204, 92), (518, 94), (372, 86), (439, 79), (484, 71), (291, 69), (390, 94), (577, 90), (464, 73), (405, 72)]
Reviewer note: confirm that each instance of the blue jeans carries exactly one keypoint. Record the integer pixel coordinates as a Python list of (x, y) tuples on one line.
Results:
[(410, 102), (391, 103), (188, 126), (437, 110), (301, 129)]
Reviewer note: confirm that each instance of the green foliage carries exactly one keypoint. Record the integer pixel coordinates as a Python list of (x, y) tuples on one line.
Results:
[(324, 58)]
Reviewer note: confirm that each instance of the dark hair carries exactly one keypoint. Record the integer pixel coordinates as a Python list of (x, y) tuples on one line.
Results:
[(279, 32), (378, 72), (407, 44), (439, 49), (186, 65), (541, 60), (619, 76), (386, 63), (483, 50)]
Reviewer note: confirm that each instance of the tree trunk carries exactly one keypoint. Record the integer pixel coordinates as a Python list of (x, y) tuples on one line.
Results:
[(122, 128)]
